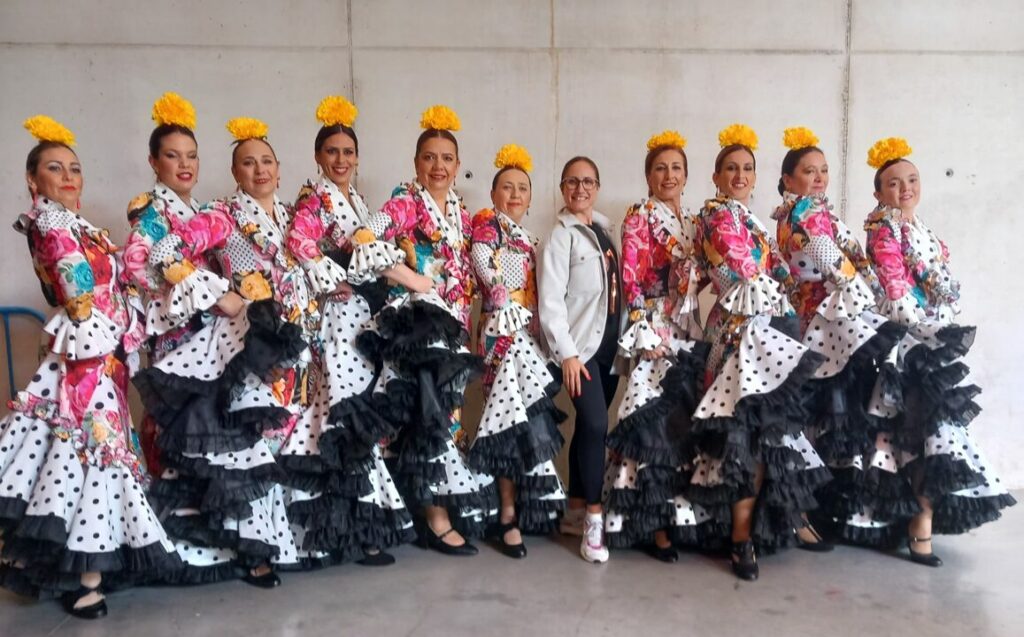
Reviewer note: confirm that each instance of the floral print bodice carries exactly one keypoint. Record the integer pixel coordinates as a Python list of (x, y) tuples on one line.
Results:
[(657, 254), (821, 251), (734, 246), (912, 264), (76, 263), (248, 245), (505, 258), (153, 215), (434, 243), (325, 220)]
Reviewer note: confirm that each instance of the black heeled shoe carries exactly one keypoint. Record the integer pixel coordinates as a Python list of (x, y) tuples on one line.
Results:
[(429, 540), (744, 562), (669, 554), (379, 558), (498, 531), (927, 559), (92, 611), (267, 580), (819, 546)]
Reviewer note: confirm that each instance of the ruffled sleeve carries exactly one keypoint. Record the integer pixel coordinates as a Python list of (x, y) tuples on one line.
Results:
[(78, 331), (310, 225), (375, 244), (886, 252), (192, 290)]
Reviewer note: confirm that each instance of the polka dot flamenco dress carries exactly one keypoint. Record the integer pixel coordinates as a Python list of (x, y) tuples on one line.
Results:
[(922, 407), (650, 464), (240, 402), (518, 437), (419, 339), (752, 410), (351, 452), (834, 296), (71, 485)]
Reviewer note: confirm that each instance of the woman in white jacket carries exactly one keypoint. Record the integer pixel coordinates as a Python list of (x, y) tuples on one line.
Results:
[(580, 315)]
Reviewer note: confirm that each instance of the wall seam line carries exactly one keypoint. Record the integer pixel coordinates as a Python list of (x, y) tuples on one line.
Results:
[(845, 137)]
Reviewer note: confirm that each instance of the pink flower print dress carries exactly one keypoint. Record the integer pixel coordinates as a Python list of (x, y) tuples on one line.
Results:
[(648, 470), (420, 342), (72, 496), (518, 437), (922, 407), (757, 373)]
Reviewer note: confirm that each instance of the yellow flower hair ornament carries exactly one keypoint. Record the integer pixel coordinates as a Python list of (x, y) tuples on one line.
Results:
[(440, 117), (47, 129), (515, 156), (886, 150), (243, 128), (738, 134), (173, 109), (799, 137), (666, 138), (335, 109)]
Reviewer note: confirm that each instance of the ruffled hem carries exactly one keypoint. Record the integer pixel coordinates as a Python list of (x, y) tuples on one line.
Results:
[(360, 426), (518, 449), (197, 292), (79, 340), (194, 414)]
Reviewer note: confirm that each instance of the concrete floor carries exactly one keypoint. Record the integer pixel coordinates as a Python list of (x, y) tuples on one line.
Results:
[(979, 592)]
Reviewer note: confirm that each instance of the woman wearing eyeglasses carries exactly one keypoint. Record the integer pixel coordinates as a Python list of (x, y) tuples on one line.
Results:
[(580, 316)]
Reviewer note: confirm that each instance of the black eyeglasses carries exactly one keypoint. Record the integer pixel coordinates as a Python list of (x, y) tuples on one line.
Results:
[(588, 183)]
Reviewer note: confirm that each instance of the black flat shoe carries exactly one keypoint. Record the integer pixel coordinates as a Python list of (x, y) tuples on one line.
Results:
[(744, 563), (429, 540), (267, 580), (92, 611), (667, 554), (498, 531), (926, 559), (380, 558), (819, 546)]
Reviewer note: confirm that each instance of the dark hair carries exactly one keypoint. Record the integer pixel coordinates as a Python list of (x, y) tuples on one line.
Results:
[(653, 153), (725, 152), (34, 155), (577, 159), (883, 168), (494, 182), (163, 130), (436, 133), (238, 144), (792, 160), (330, 131)]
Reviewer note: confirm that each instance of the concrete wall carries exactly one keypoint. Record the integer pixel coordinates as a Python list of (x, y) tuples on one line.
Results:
[(562, 77)]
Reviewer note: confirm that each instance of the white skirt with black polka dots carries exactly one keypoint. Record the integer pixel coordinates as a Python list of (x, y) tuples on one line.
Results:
[(649, 465), (923, 411), (71, 492), (518, 436), (751, 414)]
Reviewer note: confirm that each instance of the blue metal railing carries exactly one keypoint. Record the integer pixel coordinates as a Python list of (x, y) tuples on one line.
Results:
[(8, 311)]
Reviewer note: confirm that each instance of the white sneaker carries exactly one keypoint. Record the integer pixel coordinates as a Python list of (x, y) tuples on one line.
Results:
[(592, 547), (572, 522)]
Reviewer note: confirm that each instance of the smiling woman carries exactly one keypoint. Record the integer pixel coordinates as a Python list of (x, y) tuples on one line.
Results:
[(73, 514), (328, 212), (419, 240)]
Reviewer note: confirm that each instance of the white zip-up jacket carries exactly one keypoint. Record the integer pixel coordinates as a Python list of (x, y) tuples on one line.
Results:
[(573, 288)]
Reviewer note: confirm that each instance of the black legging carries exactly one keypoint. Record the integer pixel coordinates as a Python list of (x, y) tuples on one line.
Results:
[(586, 452)]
